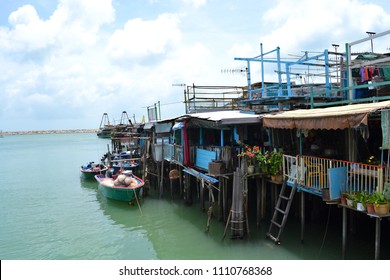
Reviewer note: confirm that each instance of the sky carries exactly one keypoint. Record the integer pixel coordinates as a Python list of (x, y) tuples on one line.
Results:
[(64, 63)]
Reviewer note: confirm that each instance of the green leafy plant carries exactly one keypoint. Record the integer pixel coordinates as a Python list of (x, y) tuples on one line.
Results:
[(262, 159), (361, 197), (344, 194), (370, 199), (378, 198), (275, 163), (386, 191)]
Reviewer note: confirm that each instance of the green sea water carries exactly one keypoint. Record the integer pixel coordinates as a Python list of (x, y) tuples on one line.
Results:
[(49, 211)]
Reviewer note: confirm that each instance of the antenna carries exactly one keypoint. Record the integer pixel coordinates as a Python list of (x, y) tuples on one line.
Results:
[(241, 71)]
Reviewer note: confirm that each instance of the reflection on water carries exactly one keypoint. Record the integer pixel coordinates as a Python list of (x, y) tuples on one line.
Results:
[(87, 183)]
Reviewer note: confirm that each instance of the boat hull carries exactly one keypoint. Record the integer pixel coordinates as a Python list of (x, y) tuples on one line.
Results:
[(121, 192), (89, 173)]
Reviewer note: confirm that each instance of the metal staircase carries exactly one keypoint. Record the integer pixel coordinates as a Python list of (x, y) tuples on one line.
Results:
[(282, 208)]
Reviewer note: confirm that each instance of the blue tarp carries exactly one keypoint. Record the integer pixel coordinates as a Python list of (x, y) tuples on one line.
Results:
[(200, 175), (177, 126)]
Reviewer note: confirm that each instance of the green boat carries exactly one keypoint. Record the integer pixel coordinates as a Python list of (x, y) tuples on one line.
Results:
[(91, 169), (126, 187)]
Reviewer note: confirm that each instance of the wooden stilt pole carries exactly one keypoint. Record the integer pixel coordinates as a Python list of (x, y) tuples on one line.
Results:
[(263, 197), (162, 178), (220, 212), (181, 182), (258, 201), (344, 235), (210, 211), (227, 224), (225, 199), (302, 216), (201, 195)]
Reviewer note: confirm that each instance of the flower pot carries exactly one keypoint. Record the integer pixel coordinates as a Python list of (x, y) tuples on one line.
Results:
[(277, 178), (370, 208), (360, 207), (343, 200), (381, 209), (251, 169), (350, 202), (257, 169), (344, 194)]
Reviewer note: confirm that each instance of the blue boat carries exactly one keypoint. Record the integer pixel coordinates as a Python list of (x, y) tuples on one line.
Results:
[(125, 187)]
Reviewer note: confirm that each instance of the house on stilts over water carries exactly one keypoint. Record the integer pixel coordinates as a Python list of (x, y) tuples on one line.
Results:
[(316, 134)]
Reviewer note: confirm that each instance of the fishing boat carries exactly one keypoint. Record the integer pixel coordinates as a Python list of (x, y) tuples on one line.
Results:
[(105, 127), (125, 187), (91, 169)]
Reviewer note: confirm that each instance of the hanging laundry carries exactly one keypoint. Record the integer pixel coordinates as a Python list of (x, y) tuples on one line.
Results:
[(363, 74), (370, 72)]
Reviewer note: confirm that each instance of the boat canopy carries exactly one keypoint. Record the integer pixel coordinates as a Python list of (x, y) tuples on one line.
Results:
[(339, 117)]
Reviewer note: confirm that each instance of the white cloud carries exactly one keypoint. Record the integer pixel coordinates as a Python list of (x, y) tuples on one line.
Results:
[(195, 3), (78, 57), (28, 31), (317, 24), (140, 38), (73, 25)]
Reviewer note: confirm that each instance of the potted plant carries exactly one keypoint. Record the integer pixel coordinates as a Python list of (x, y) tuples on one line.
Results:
[(370, 204), (249, 155), (381, 204), (361, 198), (275, 166), (343, 198), (262, 160), (351, 200)]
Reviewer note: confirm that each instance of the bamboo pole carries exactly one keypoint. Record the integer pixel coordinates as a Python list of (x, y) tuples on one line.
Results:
[(162, 170), (227, 224), (210, 211), (258, 200), (201, 195)]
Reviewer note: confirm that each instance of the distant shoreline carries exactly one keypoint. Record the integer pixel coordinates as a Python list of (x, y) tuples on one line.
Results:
[(55, 131)]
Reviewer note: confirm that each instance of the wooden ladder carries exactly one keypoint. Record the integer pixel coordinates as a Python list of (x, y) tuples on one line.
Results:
[(282, 208)]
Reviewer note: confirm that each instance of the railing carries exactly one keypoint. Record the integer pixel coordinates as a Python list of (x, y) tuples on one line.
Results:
[(313, 173), (201, 98)]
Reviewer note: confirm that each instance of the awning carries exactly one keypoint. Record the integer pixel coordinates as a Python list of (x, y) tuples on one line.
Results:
[(339, 117)]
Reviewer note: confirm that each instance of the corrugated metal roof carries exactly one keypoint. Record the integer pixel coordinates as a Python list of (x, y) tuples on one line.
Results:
[(226, 117), (163, 127), (148, 126)]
